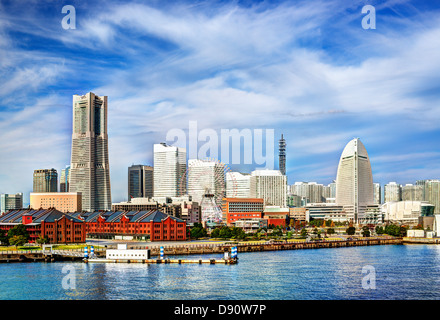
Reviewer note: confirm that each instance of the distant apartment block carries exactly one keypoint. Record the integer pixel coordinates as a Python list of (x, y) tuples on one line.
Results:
[(64, 179), (11, 202), (269, 185), (238, 185), (140, 181), (45, 180), (392, 192)]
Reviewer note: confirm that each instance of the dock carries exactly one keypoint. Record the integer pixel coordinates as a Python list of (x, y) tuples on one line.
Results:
[(164, 261), (206, 248)]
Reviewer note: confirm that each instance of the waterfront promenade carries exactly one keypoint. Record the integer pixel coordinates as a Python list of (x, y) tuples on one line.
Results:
[(189, 248)]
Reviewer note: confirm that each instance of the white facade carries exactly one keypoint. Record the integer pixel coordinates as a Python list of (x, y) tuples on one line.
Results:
[(354, 181), (238, 185), (269, 185), (169, 168), (402, 211), (127, 254)]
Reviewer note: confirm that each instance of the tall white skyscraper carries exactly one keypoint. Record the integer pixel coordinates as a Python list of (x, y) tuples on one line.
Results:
[(238, 185), (169, 170), (270, 185), (205, 177), (354, 180), (89, 165)]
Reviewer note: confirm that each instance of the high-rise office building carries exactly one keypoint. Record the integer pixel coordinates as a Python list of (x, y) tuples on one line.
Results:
[(64, 179), (205, 177), (45, 180), (377, 193), (332, 189), (11, 202), (354, 181), (431, 193), (282, 155), (140, 181), (412, 192), (270, 185), (238, 185), (169, 170), (392, 192), (89, 167), (311, 191)]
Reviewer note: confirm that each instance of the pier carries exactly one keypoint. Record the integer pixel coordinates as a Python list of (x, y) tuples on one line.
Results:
[(219, 248), (192, 249), (165, 261)]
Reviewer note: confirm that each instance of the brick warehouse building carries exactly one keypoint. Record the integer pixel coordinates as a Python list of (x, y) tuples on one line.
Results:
[(74, 227), (154, 224), (57, 226)]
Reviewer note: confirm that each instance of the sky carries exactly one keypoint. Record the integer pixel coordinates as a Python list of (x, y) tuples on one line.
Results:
[(306, 69)]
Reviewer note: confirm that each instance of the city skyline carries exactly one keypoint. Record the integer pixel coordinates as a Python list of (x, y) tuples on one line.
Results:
[(184, 61)]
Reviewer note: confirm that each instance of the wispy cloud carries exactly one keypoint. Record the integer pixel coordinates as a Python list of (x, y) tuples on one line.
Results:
[(305, 68)]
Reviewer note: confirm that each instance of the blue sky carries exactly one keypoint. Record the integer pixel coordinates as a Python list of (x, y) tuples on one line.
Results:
[(306, 69)]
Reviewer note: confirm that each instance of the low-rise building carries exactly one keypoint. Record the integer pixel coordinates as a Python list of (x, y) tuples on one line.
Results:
[(61, 201), (326, 211), (298, 214), (406, 211), (147, 224), (250, 225), (276, 216), (234, 209), (59, 227)]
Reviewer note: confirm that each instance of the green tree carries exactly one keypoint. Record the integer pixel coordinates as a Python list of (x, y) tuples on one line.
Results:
[(380, 230), (19, 230), (304, 233), (392, 230), (351, 231), (328, 223), (365, 231), (331, 231), (4, 237), (197, 231), (42, 240), (17, 240), (225, 232), (215, 233)]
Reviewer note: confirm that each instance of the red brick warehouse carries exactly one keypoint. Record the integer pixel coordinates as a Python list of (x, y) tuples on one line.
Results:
[(153, 224), (57, 226)]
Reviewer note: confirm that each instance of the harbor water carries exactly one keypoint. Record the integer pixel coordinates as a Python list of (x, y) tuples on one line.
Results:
[(370, 272)]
